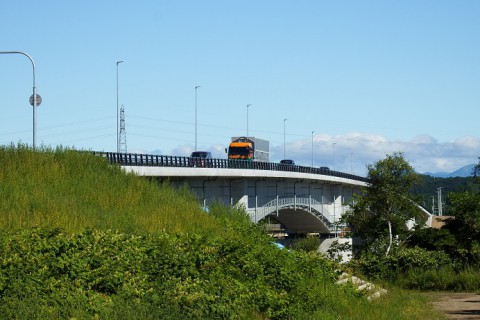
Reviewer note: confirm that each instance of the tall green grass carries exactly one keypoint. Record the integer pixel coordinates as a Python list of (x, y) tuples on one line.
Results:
[(442, 279), (73, 190)]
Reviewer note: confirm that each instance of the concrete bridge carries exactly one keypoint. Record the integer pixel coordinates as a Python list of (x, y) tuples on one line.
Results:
[(301, 199)]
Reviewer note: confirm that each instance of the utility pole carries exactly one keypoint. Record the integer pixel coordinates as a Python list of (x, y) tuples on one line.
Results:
[(440, 204), (118, 126), (123, 134), (433, 205), (312, 147), (248, 105), (196, 87), (284, 120)]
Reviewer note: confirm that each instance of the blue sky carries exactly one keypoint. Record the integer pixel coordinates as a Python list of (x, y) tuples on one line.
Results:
[(369, 77)]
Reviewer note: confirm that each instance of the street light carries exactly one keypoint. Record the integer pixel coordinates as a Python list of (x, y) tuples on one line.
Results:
[(118, 136), (33, 99), (334, 155), (312, 147), (248, 105), (284, 120), (196, 87)]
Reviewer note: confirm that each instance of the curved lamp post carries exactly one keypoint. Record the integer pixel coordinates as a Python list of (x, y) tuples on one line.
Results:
[(33, 99)]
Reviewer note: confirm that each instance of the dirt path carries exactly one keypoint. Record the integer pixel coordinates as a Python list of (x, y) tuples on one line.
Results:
[(458, 305)]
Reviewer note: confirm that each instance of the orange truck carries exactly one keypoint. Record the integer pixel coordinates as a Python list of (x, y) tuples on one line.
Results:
[(250, 149)]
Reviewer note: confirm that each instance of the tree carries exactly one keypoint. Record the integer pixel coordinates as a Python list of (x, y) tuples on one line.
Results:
[(385, 206), (465, 225)]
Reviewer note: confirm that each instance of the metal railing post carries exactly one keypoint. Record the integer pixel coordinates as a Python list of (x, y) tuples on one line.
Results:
[(277, 204)]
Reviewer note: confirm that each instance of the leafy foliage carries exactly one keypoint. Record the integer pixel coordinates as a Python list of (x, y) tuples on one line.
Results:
[(205, 277), (465, 226), (433, 259), (383, 209), (307, 244), (397, 264)]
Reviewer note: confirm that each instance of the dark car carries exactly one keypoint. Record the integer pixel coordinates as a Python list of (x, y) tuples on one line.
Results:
[(324, 169), (200, 159), (288, 162)]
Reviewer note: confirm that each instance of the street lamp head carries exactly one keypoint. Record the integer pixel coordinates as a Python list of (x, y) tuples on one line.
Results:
[(119, 62), (197, 87)]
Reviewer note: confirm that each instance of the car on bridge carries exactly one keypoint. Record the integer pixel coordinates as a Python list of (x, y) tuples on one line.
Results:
[(200, 159), (287, 165), (287, 162)]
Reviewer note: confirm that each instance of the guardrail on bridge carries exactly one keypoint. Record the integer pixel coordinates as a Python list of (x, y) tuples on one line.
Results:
[(135, 159)]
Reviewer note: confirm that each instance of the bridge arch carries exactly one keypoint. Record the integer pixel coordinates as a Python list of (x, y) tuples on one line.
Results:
[(298, 214)]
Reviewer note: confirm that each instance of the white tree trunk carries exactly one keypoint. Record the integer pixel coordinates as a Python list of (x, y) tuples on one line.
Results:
[(390, 238)]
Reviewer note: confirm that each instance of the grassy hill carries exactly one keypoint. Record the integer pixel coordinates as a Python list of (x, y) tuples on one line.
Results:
[(82, 239), (74, 190)]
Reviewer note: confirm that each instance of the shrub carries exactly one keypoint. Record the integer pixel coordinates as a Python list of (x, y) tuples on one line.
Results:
[(396, 265), (307, 244)]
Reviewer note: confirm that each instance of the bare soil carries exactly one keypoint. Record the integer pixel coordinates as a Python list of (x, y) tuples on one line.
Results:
[(458, 305)]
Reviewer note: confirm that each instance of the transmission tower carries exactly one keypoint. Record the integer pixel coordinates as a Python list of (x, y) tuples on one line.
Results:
[(123, 135)]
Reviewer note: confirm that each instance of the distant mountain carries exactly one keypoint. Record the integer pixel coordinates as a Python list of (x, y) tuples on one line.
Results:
[(462, 172)]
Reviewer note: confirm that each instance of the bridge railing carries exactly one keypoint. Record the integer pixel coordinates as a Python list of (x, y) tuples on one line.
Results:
[(135, 159)]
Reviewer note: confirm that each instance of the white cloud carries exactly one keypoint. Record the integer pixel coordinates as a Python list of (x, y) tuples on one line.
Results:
[(353, 151)]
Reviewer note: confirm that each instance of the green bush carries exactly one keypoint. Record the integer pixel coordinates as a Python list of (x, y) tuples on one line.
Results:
[(416, 268), (307, 244), (89, 273), (400, 262)]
